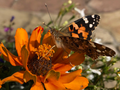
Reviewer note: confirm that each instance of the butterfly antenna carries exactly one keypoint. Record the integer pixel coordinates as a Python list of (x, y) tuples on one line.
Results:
[(48, 12)]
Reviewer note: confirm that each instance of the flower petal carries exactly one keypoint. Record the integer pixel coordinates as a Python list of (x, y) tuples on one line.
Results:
[(68, 77), (18, 77), (62, 68), (21, 38), (79, 83), (52, 82), (37, 86), (29, 76), (35, 38), (48, 39), (8, 56), (0, 84), (52, 75), (76, 58), (24, 56), (59, 55), (54, 85)]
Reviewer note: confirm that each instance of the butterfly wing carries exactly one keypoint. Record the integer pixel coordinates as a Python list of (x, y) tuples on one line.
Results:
[(83, 27), (90, 48), (78, 35)]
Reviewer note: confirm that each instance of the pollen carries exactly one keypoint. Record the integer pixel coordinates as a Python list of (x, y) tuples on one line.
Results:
[(45, 51), (41, 63)]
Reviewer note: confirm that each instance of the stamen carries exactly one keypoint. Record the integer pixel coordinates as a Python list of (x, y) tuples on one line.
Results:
[(41, 63), (45, 51)]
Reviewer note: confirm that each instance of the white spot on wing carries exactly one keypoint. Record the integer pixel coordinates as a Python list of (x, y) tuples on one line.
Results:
[(90, 25), (98, 50), (93, 22), (93, 16), (86, 20), (92, 44)]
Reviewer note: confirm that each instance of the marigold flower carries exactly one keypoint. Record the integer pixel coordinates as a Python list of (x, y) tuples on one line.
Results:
[(43, 64)]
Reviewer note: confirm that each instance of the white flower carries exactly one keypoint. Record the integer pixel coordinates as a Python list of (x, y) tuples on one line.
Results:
[(108, 58), (81, 12), (118, 74), (90, 76), (18, 86), (97, 71)]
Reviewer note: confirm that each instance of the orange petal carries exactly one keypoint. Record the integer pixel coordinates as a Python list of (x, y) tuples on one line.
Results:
[(35, 38), (0, 84), (68, 77), (52, 75), (79, 83), (21, 38), (52, 82), (24, 56), (29, 76), (76, 58), (37, 86), (62, 68), (17, 77), (59, 55), (54, 85), (48, 39), (8, 56)]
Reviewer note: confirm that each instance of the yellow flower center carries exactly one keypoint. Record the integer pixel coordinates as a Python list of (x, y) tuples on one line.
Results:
[(45, 51), (41, 63)]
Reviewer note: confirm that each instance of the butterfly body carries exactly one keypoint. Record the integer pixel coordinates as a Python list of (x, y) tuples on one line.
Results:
[(77, 37)]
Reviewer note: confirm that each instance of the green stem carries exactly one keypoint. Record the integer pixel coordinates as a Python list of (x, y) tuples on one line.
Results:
[(60, 21)]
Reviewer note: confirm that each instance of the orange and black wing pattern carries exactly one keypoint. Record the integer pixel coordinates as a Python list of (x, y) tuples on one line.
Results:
[(83, 27), (80, 38)]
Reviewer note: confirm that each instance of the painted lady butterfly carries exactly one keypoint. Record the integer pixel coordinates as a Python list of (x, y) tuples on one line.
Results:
[(77, 37)]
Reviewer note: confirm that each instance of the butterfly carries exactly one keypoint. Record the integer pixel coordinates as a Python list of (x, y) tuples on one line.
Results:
[(77, 37)]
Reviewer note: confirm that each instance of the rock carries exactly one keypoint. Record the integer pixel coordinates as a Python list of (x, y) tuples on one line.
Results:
[(104, 5), (111, 21), (103, 34), (110, 84)]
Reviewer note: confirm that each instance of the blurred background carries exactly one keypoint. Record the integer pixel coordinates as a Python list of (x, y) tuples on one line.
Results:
[(29, 14)]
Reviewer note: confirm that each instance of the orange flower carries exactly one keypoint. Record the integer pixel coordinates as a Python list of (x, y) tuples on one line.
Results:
[(41, 65)]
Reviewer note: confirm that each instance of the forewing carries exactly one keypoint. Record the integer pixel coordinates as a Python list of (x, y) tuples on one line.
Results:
[(83, 27)]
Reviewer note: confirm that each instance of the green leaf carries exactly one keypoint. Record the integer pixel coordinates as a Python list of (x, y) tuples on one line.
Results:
[(72, 18)]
